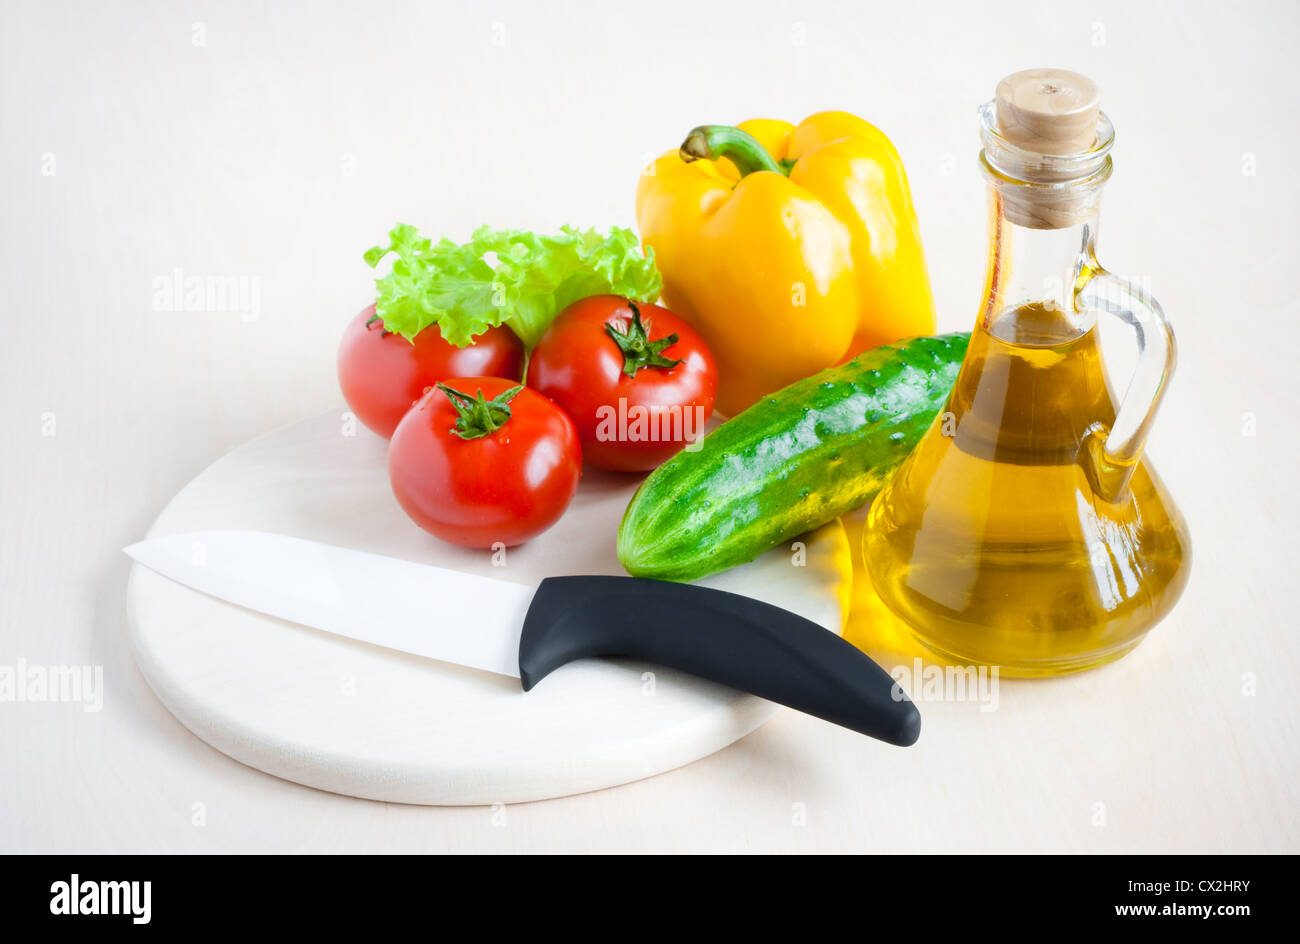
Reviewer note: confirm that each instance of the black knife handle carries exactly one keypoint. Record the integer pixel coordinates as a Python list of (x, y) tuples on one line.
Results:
[(724, 637)]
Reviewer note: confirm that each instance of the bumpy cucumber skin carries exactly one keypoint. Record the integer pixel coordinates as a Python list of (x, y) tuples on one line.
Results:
[(806, 454)]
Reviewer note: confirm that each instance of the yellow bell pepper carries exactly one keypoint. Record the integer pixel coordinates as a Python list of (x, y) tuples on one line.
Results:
[(789, 248)]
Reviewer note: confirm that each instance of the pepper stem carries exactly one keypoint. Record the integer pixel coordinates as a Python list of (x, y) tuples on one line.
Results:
[(638, 350), (710, 142), (478, 416)]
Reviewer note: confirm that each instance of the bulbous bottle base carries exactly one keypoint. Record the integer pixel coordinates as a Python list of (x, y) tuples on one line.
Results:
[(1048, 668), (991, 542)]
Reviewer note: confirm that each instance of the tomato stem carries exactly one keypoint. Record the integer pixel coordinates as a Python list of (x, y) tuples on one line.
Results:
[(382, 330), (477, 416), (638, 350), (710, 142)]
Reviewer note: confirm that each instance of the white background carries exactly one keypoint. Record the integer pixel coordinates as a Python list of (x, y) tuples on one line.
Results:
[(278, 141)]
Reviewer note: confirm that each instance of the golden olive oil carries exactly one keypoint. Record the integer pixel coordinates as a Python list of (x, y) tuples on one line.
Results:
[(991, 543)]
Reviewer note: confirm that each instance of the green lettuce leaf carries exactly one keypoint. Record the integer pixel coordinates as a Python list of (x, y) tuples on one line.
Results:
[(510, 277)]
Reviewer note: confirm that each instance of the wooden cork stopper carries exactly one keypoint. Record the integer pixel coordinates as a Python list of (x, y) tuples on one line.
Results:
[(1048, 111), (1048, 119)]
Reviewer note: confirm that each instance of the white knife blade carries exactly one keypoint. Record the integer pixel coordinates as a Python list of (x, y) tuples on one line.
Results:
[(428, 611)]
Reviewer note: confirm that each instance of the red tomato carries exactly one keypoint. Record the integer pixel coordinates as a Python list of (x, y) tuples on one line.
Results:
[(637, 380), (382, 374), (506, 485)]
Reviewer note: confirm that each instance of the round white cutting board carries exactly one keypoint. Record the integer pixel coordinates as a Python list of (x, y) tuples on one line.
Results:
[(358, 719)]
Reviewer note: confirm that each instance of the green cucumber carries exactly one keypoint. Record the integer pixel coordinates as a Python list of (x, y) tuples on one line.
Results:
[(790, 463)]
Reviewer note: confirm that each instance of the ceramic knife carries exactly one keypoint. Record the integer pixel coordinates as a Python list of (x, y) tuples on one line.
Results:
[(525, 632)]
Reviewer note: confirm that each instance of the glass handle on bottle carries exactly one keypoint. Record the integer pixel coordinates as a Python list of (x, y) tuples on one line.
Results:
[(1111, 454)]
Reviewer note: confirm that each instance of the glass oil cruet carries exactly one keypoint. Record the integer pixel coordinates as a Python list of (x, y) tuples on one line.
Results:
[(1026, 530)]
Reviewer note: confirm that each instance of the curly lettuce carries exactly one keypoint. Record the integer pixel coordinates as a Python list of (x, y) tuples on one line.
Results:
[(510, 277)]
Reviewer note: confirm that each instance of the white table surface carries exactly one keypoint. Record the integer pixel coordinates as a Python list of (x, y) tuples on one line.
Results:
[(275, 142)]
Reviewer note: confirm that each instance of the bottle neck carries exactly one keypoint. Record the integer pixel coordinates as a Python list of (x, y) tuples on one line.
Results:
[(1033, 275), (1044, 210)]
